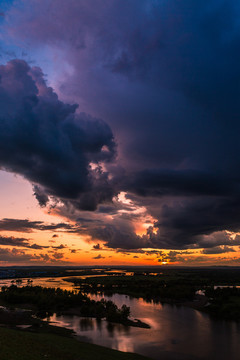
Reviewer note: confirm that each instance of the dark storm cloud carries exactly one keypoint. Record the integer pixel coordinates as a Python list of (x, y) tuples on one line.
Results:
[(40, 195), (118, 234), (181, 58), (187, 222), (47, 142), (181, 182), (165, 75)]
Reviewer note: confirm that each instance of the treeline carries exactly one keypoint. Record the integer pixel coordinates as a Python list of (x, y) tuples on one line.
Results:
[(45, 301), (147, 287), (224, 302), (199, 276), (220, 302)]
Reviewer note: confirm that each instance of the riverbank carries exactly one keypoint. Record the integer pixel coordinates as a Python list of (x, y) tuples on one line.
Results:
[(24, 345), (44, 341), (178, 289), (46, 301), (125, 322), (176, 332)]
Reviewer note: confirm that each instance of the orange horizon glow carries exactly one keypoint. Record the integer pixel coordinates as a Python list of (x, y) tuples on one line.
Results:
[(77, 250)]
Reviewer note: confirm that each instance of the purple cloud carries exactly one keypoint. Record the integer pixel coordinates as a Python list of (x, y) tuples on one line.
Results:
[(165, 76)]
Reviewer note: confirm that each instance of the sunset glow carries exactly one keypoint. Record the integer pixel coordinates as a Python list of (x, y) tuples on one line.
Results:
[(116, 147)]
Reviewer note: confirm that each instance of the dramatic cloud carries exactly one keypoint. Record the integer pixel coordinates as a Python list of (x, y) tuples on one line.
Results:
[(119, 234), (165, 76), (218, 239), (47, 142)]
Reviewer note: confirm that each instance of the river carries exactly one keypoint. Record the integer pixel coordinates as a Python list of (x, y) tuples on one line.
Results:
[(176, 332)]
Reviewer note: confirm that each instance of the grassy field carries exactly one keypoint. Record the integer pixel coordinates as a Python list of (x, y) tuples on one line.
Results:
[(23, 345)]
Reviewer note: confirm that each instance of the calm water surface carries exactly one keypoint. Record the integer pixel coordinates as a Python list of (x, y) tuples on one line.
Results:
[(57, 282), (176, 332)]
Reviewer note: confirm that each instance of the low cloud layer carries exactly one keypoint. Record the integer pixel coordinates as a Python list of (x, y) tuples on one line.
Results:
[(27, 226), (14, 256), (21, 242)]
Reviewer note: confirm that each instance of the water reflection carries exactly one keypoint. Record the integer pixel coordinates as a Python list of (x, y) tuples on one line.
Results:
[(86, 324), (58, 282), (176, 332)]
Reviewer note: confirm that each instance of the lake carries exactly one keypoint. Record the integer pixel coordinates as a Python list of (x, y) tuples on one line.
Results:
[(176, 332)]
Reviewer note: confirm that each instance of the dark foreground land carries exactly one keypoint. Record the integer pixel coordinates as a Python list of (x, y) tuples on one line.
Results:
[(25, 337), (24, 345)]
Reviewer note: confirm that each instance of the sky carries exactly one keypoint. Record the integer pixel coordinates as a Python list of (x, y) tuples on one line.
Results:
[(119, 132)]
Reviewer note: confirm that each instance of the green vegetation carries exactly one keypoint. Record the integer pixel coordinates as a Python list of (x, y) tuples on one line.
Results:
[(22, 345), (45, 301)]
